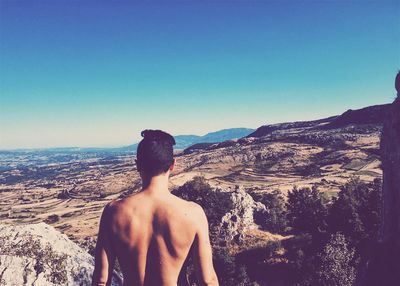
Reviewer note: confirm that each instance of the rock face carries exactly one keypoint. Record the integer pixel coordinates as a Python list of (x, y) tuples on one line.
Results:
[(37, 254), (390, 151), (384, 266), (241, 217), (369, 115), (19, 271)]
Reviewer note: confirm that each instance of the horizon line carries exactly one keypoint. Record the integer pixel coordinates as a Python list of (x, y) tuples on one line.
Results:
[(127, 144)]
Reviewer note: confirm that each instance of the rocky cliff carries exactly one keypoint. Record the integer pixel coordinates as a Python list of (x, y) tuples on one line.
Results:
[(37, 254), (390, 150), (384, 266)]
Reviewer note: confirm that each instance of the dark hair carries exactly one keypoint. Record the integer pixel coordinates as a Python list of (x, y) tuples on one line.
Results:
[(155, 153), (397, 83)]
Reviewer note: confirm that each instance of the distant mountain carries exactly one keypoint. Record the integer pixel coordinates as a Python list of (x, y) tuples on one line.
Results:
[(184, 141), (225, 134)]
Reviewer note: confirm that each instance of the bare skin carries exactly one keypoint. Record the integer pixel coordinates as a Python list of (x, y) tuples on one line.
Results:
[(151, 233)]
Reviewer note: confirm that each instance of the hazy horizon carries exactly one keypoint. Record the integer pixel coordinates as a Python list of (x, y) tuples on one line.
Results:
[(112, 146), (94, 74)]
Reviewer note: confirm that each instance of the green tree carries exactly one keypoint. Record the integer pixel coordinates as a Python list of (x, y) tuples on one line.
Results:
[(356, 212), (275, 204), (229, 272), (306, 210), (336, 268)]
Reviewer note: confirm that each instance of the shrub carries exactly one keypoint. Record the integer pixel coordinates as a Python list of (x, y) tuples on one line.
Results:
[(301, 254), (306, 210), (63, 195), (228, 271), (356, 212), (336, 263), (274, 202), (52, 218)]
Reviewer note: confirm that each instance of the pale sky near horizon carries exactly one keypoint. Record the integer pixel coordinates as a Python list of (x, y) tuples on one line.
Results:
[(96, 73)]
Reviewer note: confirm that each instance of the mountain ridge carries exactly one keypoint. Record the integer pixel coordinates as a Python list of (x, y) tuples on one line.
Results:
[(184, 141), (373, 114)]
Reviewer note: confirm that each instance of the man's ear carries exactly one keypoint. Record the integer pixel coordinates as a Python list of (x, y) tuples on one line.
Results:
[(171, 168)]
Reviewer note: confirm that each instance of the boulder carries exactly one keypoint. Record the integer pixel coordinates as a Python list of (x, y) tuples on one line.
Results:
[(37, 254)]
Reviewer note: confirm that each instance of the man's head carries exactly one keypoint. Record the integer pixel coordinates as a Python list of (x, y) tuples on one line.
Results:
[(155, 154)]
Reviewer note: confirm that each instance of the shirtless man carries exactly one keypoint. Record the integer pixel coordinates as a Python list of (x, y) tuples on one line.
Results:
[(151, 232)]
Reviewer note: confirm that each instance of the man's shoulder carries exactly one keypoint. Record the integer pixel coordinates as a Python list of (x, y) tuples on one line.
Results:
[(110, 208), (189, 204), (194, 209), (197, 216), (117, 205), (117, 211), (122, 203), (197, 209)]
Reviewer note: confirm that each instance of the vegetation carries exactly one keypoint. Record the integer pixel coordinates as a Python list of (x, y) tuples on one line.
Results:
[(333, 234), (52, 219), (336, 268), (229, 272), (306, 210), (355, 213), (327, 238), (276, 221), (264, 162)]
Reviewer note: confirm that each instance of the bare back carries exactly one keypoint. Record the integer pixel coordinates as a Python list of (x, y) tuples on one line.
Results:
[(151, 236)]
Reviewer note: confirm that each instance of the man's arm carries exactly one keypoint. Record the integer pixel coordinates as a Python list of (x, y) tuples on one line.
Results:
[(203, 254), (104, 253)]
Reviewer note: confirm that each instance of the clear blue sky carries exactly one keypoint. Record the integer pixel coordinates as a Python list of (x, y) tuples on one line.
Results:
[(93, 73)]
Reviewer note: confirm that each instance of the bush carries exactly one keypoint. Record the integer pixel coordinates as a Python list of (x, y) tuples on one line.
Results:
[(63, 195), (274, 202), (356, 212), (52, 219), (337, 263), (306, 210), (301, 254), (228, 271)]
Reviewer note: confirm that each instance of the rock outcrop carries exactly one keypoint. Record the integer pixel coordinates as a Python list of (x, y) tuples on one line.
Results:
[(369, 115), (241, 217), (383, 268), (37, 254), (390, 151)]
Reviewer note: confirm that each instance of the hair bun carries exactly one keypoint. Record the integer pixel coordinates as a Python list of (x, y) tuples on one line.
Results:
[(157, 135)]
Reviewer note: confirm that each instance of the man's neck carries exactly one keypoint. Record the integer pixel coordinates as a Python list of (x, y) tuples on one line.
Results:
[(156, 185)]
